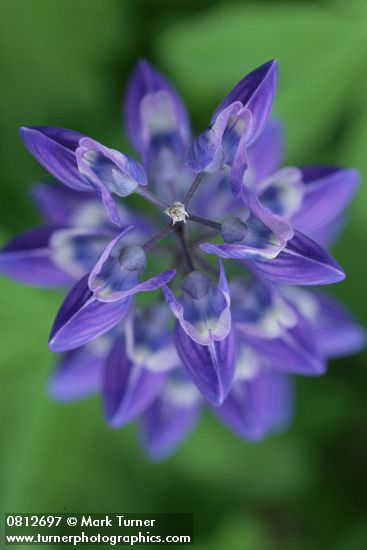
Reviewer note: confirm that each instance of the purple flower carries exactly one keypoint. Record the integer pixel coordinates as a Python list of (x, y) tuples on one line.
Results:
[(236, 123), (236, 335), (75, 233), (203, 310), (84, 165)]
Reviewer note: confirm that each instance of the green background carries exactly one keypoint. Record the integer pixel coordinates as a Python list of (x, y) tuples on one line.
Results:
[(65, 63)]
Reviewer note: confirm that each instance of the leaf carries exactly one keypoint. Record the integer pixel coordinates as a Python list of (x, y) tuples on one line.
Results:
[(319, 54), (54, 58)]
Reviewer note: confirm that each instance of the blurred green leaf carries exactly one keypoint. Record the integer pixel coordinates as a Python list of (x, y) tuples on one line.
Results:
[(241, 533), (319, 54), (56, 72), (352, 152), (243, 467)]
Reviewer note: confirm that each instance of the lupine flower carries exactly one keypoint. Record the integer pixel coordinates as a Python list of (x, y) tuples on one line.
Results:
[(229, 339)]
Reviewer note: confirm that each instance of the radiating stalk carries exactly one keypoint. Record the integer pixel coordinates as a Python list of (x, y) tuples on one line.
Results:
[(180, 232), (205, 221), (193, 188), (151, 197), (157, 237)]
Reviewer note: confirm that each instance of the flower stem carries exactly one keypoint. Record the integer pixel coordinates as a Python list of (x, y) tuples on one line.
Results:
[(180, 232), (205, 221), (193, 188), (151, 197), (157, 237)]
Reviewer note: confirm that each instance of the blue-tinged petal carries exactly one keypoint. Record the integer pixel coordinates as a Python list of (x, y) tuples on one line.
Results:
[(116, 274), (148, 341), (265, 216), (202, 310), (164, 146), (28, 259), (294, 351), (92, 214), (110, 172), (334, 328), (128, 389), (239, 164), (302, 262), (59, 204), (258, 406), (82, 318), (158, 126), (256, 233), (79, 372), (67, 207), (328, 234), (171, 417), (54, 148), (144, 81), (281, 400), (264, 157), (213, 200), (216, 147), (327, 193), (282, 192), (255, 92), (210, 367), (258, 241), (76, 250), (259, 309)]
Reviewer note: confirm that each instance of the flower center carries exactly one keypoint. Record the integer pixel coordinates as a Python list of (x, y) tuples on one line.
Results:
[(177, 212)]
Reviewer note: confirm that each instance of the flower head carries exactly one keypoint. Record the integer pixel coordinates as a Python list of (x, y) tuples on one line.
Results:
[(236, 335)]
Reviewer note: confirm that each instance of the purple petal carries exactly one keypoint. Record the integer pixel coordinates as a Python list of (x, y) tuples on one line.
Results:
[(76, 250), (116, 274), (28, 259), (210, 367), (295, 351), (328, 234), (258, 406), (58, 204), (203, 311), (212, 199), (67, 207), (338, 334), (82, 318), (54, 148), (78, 375), (165, 426), (164, 152), (110, 172), (171, 417), (271, 220), (327, 193), (259, 242), (256, 92), (143, 81), (148, 342), (217, 146), (256, 233), (303, 262), (264, 157), (239, 164), (128, 389), (282, 192), (259, 309)]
